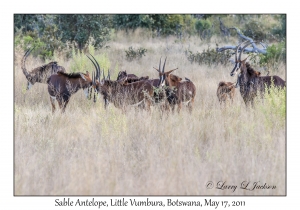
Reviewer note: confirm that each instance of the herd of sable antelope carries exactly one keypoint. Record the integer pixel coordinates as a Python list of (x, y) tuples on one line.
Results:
[(168, 90)]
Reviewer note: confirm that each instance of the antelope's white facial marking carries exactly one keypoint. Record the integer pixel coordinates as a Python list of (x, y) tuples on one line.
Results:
[(29, 85), (86, 92), (232, 73)]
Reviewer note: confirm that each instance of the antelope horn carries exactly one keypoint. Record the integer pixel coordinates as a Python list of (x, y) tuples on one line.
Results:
[(237, 50), (108, 76), (156, 69), (242, 50), (163, 70), (94, 82), (98, 75), (171, 70), (23, 66), (159, 66), (93, 63)]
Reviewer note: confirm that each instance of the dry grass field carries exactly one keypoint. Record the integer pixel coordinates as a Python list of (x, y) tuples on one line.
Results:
[(92, 151)]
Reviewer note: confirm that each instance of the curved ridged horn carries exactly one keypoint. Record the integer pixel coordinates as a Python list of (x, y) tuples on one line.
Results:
[(98, 70), (98, 73), (163, 70), (108, 76), (162, 75), (237, 50), (236, 65), (23, 66), (94, 79), (242, 50), (159, 70)]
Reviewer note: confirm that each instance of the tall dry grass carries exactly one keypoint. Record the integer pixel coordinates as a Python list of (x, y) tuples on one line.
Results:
[(92, 151)]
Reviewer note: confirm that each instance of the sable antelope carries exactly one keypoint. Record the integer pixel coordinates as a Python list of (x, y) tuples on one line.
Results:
[(158, 95), (62, 85), (225, 91), (177, 92), (249, 80), (130, 77), (138, 93), (39, 74)]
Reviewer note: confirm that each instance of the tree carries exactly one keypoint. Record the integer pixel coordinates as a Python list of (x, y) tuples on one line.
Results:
[(27, 22), (79, 29), (162, 23)]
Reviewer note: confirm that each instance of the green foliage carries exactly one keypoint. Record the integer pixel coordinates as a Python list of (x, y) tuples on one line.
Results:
[(281, 29), (133, 21), (209, 57), (27, 22), (202, 27), (135, 54), (164, 24), (80, 62), (256, 30), (78, 29), (29, 40), (202, 24), (276, 53), (274, 105)]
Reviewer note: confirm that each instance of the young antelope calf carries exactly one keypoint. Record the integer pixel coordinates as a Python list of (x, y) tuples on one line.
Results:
[(225, 92)]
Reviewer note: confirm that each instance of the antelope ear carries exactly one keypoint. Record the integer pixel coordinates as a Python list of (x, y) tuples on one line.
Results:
[(87, 73), (82, 76), (243, 61)]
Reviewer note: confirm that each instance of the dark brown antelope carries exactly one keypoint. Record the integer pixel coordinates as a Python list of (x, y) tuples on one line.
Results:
[(250, 81), (39, 74), (123, 94), (130, 77), (225, 92), (62, 86), (177, 92)]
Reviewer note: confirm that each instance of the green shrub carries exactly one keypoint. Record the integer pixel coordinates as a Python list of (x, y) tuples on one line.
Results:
[(203, 28), (256, 30), (80, 62), (202, 24), (276, 53), (209, 57), (135, 54), (44, 45), (274, 105)]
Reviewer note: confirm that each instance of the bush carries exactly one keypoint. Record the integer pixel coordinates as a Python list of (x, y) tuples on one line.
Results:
[(209, 57), (29, 40), (203, 28), (162, 24), (45, 45), (135, 54), (276, 53), (274, 105), (80, 62), (256, 30)]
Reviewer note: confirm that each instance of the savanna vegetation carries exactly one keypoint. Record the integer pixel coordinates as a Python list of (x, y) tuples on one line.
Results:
[(92, 151)]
